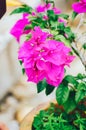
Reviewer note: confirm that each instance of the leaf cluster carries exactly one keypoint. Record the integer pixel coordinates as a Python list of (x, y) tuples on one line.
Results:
[(55, 118), (71, 91), (51, 23)]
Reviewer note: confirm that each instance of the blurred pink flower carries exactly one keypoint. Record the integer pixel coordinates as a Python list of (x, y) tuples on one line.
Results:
[(56, 10), (44, 58), (61, 20), (45, 17), (43, 8), (79, 7), (18, 28)]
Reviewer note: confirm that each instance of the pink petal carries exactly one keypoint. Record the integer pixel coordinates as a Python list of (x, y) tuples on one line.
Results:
[(79, 7)]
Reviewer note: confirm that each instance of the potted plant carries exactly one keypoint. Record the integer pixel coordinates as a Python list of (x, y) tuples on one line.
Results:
[(49, 46)]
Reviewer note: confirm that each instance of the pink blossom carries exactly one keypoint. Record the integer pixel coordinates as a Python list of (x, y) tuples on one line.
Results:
[(79, 7), (45, 17), (18, 28), (43, 8), (60, 20), (44, 58), (56, 10)]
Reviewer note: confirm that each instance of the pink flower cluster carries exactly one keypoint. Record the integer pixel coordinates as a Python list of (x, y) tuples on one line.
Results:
[(18, 28), (79, 7), (44, 58), (45, 7)]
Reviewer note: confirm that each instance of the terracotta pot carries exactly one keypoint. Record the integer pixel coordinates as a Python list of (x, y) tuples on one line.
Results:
[(26, 124)]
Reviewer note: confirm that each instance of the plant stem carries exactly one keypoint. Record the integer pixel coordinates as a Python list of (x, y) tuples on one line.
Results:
[(80, 22)]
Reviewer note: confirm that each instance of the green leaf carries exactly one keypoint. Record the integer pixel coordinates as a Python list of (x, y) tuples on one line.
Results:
[(81, 86), (28, 37), (80, 76), (62, 39), (79, 95), (20, 62), (51, 15), (81, 127), (84, 46), (61, 27), (22, 9), (23, 71), (62, 94), (74, 14), (70, 104), (81, 92), (71, 79), (41, 86), (65, 16), (49, 89), (70, 34)]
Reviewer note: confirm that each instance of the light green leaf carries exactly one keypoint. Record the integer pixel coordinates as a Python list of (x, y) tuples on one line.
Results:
[(62, 94), (80, 94), (62, 39)]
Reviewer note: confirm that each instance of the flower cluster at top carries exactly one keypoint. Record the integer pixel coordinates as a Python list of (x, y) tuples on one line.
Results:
[(44, 54), (80, 7)]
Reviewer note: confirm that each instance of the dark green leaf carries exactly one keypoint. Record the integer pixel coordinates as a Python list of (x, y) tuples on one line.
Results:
[(41, 86), (22, 9), (49, 89), (71, 79), (84, 46), (23, 71), (69, 33), (70, 104), (52, 16), (74, 14), (20, 62)]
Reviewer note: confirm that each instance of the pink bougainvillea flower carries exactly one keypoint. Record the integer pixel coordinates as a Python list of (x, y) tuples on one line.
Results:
[(43, 8), (58, 54), (56, 10), (45, 17), (18, 28), (44, 58), (61, 20), (79, 7)]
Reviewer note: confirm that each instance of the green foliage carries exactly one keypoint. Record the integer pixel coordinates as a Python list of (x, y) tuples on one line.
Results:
[(22, 9), (62, 39), (43, 85), (49, 89), (69, 33), (62, 94), (81, 92), (74, 14), (65, 16), (56, 119), (71, 91), (70, 104), (84, 46), (23, 71), (20, 62)]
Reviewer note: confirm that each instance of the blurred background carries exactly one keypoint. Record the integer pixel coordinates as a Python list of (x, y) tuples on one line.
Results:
[(17, 97)]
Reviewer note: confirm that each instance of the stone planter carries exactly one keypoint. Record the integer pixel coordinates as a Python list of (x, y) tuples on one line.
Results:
[(26, 124)]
